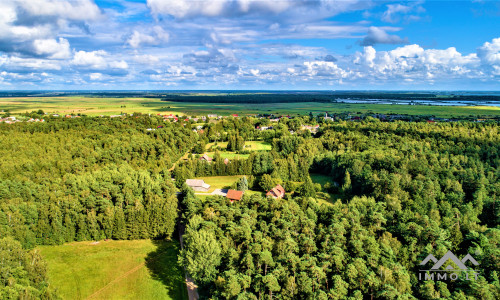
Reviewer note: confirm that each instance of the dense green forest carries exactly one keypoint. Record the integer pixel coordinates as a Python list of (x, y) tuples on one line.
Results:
[(84, 179), (404, 190), (400, 190)]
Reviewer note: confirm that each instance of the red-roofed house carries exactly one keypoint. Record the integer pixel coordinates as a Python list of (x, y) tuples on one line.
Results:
[(276, 192), (234, 195), (235, 115)]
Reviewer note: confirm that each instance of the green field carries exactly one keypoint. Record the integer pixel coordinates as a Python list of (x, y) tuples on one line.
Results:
[(220, 182), (111, 106), (229, 155), (141, 269), (249, 145)]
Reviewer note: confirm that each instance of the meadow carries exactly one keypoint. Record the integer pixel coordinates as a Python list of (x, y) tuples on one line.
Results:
[(220, 182), (112, 106), (137, 269)]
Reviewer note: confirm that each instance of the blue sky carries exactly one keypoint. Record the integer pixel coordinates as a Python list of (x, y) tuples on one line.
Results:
[(247, 44)]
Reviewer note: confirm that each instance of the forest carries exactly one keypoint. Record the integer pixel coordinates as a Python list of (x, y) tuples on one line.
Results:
[(403, 190), (83, 179), (397, 191)]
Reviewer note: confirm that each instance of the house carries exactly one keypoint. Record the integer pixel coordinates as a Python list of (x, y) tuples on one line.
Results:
[(234, 195), (198, 185), (235, 115), (226, 161), (212, 116), (312, 129), (206, 158), (276, 192)]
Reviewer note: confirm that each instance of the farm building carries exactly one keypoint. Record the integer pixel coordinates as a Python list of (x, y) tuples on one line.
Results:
[(276, 192), (198, 185), (234, 195)]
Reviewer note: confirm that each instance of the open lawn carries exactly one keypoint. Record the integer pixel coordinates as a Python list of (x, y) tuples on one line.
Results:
[(249, 145), (141, 269), (109, 106), (229, 155), (220, 182), (321, 179)]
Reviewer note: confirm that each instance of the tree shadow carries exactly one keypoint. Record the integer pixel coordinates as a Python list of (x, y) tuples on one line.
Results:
[(163, 267)]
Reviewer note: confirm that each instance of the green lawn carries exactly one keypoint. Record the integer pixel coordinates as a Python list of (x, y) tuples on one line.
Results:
[(220, 182), (141, 269), (110, 106), (321, 179), (229, 155), (249, 145)]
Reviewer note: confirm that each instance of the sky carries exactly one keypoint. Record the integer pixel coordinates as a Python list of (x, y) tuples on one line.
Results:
[(249, 45)]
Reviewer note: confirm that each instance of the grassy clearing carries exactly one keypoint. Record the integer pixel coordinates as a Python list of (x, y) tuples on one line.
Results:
[(220, 182), (110, 106), (141, 269), (321, 179), (249, 145), (229, 155)]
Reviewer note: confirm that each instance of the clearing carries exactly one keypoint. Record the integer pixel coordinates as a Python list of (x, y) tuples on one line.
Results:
[(140, 269)]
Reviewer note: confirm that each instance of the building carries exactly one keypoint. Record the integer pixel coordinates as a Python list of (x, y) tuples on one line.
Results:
[(234, 195), (198, 185), (226, 161), (206, 158), (276, 192), (312, 129)]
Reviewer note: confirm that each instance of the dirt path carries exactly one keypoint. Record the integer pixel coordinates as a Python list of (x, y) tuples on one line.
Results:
[(117, 279), (185, 156), (134, 269)]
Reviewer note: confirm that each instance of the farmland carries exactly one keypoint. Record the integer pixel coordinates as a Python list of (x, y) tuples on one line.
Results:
[(139, 269), (111, 106)]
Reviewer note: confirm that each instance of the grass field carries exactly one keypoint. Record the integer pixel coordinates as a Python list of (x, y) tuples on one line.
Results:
[(220, 182), (141, 269), (229, 155), (249, 145), (110, 106)]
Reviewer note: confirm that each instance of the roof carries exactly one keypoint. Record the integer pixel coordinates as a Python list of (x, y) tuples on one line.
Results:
[(277, 191), (197, 182), (206, 157), (234, 194)]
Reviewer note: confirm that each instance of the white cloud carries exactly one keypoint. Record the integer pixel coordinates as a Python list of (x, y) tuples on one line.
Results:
[(157, 37), (489, 53), (52, 48), (379, 36), (93, 60), (408, 12), (95, 76)]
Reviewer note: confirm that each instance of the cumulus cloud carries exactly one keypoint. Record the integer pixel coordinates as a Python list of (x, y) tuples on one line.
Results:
[(99, 61), (156, 37), (379, 36), (213, 8), (489, 53), (415, 62), (31, 27), (52, 48)]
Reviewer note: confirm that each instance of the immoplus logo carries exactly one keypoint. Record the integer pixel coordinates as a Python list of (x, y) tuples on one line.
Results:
[(444, 270)]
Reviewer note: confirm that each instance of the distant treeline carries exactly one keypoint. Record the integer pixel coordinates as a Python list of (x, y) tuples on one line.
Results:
[(321, 97)]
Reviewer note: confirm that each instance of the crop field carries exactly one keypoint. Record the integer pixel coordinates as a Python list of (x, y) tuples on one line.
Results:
[(141, 269), (111, 106)]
